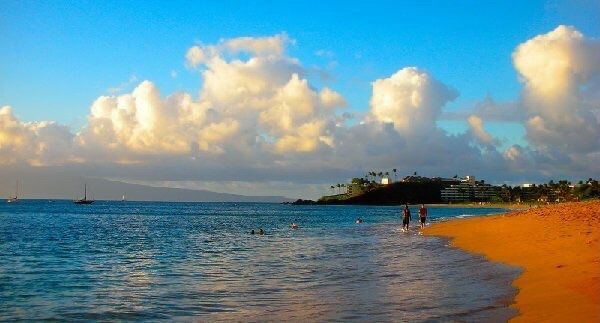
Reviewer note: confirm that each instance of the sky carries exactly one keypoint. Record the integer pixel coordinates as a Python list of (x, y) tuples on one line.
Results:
[(265, 98)]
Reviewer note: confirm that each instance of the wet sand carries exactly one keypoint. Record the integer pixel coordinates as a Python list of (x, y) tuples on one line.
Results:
[(512, 206), (558, 248)]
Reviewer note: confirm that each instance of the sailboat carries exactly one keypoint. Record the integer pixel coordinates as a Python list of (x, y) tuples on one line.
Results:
[(84, 200), (16, 198)]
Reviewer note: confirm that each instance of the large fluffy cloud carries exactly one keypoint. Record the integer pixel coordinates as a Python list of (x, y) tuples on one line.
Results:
[(410, 99), (141, 122), (37, 143), (261, 105), (561, 73)]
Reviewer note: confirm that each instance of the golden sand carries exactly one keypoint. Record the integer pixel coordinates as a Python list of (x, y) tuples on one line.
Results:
[(558, 248)]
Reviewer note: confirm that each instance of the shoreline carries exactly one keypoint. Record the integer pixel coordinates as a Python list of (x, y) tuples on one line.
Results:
[(510, 206), (556, 246)]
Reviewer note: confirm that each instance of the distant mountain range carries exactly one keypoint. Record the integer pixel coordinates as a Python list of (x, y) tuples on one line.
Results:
[(60, 186)]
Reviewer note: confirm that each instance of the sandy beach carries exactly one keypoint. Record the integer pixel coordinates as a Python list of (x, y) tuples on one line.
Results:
[(557, 246)]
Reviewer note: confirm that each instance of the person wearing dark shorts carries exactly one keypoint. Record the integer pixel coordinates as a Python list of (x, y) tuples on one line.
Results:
[(405, 217), (423, 215)]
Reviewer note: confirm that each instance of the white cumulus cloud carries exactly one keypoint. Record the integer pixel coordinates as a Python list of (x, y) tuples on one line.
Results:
[(37, 143), (558, 69), (246, 107), (410, 99)]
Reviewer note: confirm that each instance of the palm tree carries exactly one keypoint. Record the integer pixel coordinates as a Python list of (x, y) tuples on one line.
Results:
[(344, 187), (338, 186), (395, 170), (332, 190)]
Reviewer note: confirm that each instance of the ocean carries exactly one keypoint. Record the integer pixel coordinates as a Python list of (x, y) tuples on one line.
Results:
[(162, 261)]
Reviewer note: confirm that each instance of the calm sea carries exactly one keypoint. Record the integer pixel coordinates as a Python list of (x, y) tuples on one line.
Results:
[(198, 262)]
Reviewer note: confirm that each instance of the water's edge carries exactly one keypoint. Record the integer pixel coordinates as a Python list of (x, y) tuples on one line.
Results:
[(508, 303)]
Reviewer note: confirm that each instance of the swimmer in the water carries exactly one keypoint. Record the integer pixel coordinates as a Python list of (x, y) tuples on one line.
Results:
[(295, 226), (359, 220), (261, 231), (252, 232)]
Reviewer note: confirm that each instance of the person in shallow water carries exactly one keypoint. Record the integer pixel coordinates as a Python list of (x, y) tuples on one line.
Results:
[(261, 231), (405, 217), (252, 232), (295, 226), (423, 215), (359, 220)]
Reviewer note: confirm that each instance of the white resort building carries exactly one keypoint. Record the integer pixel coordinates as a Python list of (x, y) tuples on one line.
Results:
[(470, 190)]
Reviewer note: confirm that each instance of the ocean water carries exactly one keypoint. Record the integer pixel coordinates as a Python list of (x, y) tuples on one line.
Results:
[(198, 262)]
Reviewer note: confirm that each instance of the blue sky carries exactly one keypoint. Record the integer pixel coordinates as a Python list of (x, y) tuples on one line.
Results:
[(57, 57)]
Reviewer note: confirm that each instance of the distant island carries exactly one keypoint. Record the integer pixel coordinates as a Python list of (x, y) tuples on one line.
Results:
[(377, 188), (37, 184)]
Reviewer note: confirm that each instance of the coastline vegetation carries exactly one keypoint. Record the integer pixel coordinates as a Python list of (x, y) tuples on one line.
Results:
[(377, 188)]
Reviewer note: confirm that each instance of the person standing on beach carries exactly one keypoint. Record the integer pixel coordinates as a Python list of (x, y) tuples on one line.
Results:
[(423, 215), (405, 217)]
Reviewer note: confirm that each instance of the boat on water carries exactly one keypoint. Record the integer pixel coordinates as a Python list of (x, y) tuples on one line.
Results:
[(14, 199), (84, 200)]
